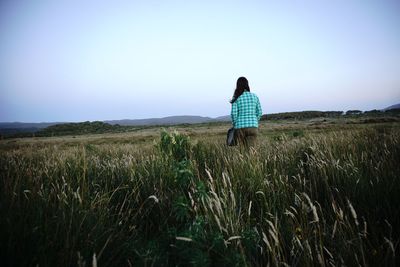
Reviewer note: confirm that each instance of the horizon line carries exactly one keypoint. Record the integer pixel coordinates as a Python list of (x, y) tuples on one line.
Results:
[(150, 118)]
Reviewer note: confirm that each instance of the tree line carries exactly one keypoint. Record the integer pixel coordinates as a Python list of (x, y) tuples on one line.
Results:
[(327, 114)]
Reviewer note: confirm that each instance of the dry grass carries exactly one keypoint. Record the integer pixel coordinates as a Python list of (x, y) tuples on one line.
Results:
[(308, 195)]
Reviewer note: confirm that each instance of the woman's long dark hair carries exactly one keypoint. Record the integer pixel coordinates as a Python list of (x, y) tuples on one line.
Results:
[(242, 85)]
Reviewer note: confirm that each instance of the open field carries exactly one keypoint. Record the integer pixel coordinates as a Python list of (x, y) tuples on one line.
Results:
[(321, 192)]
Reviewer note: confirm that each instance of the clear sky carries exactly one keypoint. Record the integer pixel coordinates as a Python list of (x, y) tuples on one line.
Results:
[(71, 60)]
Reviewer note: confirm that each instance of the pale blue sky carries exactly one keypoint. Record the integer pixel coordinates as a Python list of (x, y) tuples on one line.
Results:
[(98, 60)]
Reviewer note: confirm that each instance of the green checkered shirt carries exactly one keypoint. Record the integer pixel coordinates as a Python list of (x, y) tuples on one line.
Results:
[(246, 111)]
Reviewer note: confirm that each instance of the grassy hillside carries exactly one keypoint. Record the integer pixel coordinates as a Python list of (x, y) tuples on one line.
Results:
[(311, 193), (80, 128), (301, 115)]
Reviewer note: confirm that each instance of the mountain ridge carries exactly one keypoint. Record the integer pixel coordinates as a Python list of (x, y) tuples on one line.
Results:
[(169, 120), (395, 106)]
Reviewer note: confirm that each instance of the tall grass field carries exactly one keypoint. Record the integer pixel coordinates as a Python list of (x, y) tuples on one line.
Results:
[(305, 197)]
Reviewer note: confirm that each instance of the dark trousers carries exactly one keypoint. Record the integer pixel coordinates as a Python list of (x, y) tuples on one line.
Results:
[(246, 136)]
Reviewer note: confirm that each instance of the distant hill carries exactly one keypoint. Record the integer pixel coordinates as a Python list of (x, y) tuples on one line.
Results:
[(310, 114), (36, 126), (24, 125), (223, 118), (80, 128), (11, 128), (115, 126), (397, 106), (61, 128), (166, 121)]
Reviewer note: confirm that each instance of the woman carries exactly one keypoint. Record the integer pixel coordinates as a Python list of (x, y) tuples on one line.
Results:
[(245, 114)]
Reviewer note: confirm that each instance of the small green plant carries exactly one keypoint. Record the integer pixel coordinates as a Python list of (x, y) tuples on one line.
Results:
[(298, 134), (175, 145)]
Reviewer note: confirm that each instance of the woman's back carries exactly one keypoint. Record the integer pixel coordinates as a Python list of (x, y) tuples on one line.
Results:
[(246, 111)]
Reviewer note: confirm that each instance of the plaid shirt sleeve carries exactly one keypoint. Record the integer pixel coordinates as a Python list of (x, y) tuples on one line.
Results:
[(258, 109), (234, 113)]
